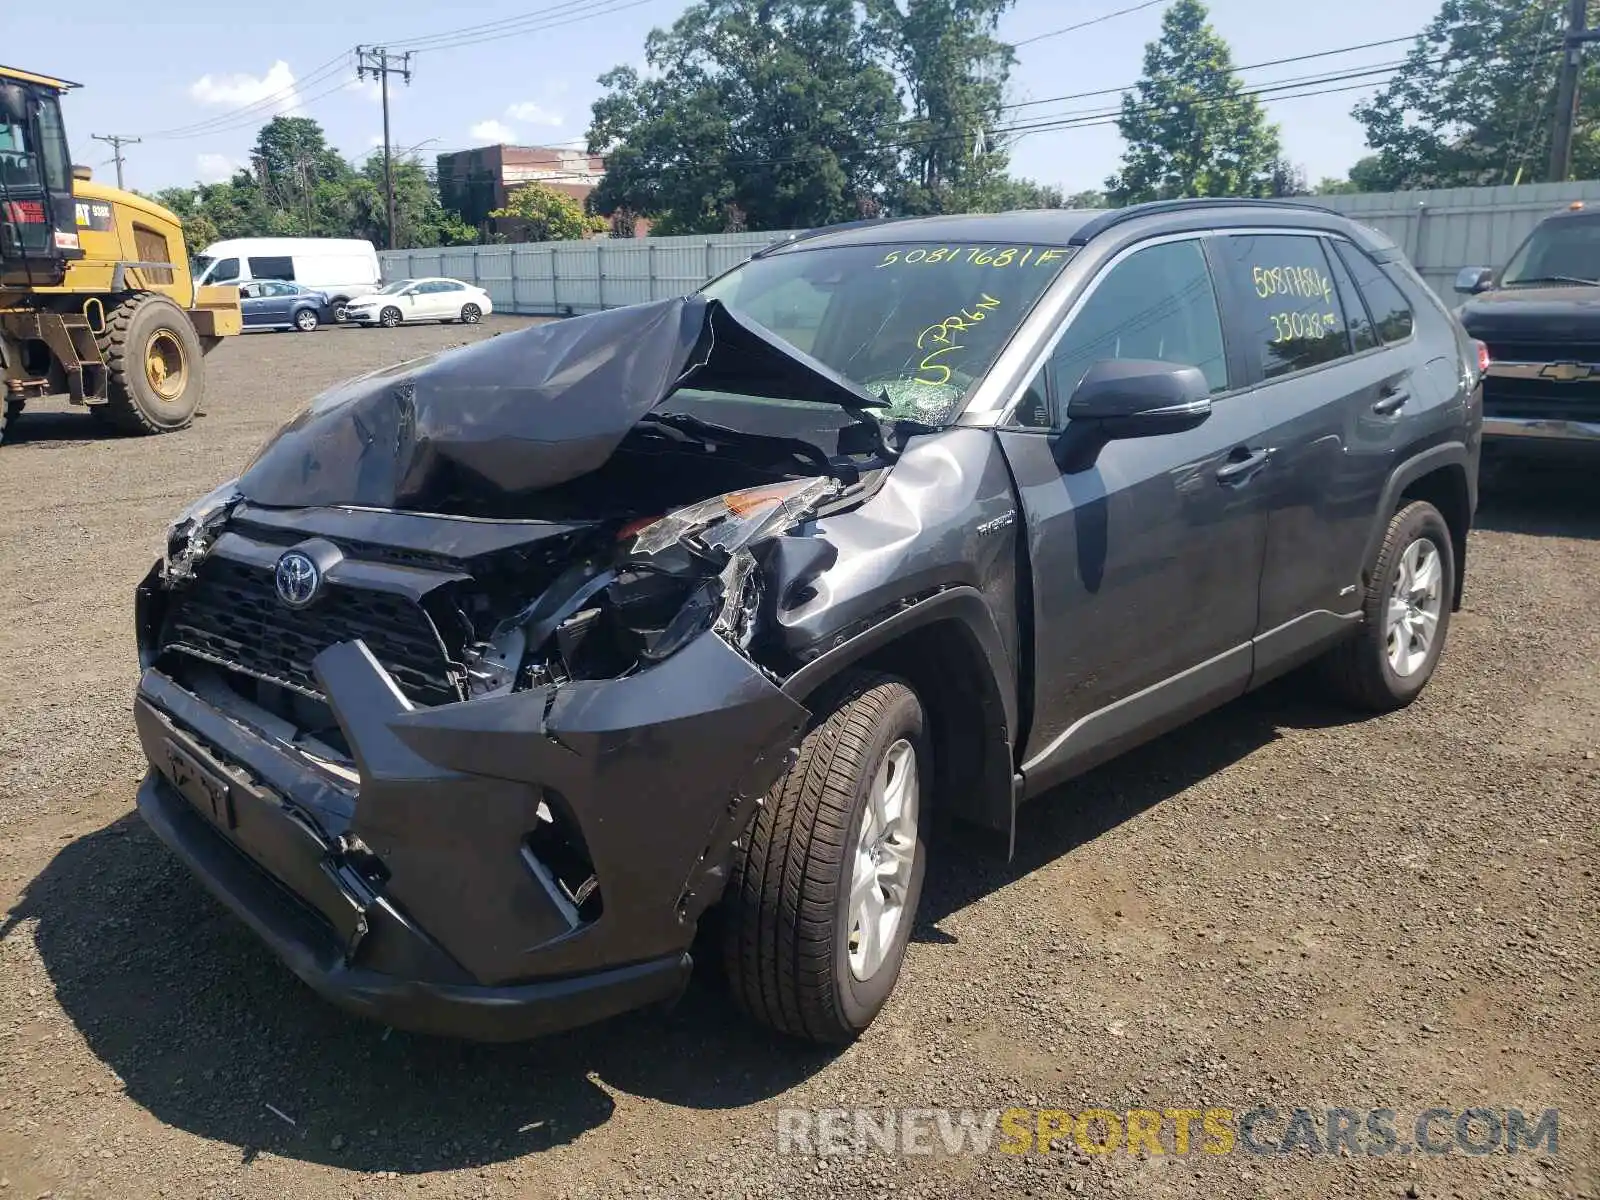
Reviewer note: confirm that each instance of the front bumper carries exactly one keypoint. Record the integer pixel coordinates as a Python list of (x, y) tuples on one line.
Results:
[(413, 897)]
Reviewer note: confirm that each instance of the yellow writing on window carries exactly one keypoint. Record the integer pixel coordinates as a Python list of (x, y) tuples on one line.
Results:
[(1287, 326), (1306, 282)]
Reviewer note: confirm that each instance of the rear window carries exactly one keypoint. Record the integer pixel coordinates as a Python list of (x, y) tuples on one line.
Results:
[(1385, 301)]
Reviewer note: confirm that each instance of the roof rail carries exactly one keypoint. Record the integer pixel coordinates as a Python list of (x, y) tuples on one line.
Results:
[(1117, 216), (805, 235)]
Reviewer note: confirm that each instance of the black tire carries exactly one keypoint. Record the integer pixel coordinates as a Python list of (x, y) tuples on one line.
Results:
[(1358, 671), (340, 315), (306, 320), (786, 941), (389, 317), (471, 314), (133, 330)]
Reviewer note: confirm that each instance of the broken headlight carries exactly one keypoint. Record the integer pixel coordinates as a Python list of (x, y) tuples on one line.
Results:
[(692, 569), (190, 536)]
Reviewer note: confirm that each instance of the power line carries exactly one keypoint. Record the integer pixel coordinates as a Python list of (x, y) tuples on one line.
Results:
[(1121, 12), (534, 22)]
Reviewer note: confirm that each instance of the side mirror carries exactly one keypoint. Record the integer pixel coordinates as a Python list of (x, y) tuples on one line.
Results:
[(1473, 280), (1134, 397)]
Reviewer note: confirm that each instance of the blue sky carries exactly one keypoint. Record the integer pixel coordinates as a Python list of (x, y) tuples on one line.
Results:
[(536, 88)]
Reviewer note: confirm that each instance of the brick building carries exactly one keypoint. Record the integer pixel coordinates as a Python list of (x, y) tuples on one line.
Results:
[(474, 183)]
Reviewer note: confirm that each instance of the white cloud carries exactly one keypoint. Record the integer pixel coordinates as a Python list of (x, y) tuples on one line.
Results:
[(533, 114), (367, 89), (215, 168), (275, 90), (375, 141), (493, 131)]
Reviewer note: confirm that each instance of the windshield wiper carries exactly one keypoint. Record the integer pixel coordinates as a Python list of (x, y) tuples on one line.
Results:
[(1551, 279)]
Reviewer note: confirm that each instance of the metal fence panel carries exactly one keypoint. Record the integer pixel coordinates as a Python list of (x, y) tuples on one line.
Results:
[(1440, 231)]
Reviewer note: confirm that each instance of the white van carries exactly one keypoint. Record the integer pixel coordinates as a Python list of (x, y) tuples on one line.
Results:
[(344, 268)]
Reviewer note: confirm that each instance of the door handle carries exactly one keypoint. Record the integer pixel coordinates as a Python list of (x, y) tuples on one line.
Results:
[(1239, 470), (1391, 402)]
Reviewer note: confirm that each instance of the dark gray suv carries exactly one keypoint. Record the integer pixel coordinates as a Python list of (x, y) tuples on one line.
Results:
[(496, 670)]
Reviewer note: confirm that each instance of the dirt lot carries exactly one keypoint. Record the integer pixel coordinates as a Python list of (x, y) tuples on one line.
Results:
[(1274, 906)]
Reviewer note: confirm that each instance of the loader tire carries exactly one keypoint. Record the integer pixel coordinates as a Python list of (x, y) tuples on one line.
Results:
[(156, 365)]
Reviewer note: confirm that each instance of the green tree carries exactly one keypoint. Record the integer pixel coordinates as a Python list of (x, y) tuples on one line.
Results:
[(546, 215), (420, 219), (1191, 129), (1473, 103), (767, 113), (1089, 198), (954, 72)]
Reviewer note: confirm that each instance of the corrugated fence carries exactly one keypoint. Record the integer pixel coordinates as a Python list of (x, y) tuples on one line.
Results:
[(1440, 231)]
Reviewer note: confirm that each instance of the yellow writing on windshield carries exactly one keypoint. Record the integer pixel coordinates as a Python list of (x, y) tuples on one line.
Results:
[(1305, 282), (978, 256), (937, 339)]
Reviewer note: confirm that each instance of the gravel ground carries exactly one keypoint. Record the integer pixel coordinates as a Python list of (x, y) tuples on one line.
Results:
[(1276, 905)]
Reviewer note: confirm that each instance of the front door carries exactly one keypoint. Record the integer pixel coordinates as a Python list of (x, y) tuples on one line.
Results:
[(1145, 561)]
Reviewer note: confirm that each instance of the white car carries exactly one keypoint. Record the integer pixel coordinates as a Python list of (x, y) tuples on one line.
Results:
[(407, 300)]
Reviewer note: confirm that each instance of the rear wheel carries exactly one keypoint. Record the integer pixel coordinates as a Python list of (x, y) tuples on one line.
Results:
[(389, 318), (471, 314), (1406, 615), (155, 363), (305, 320), (824, 891)]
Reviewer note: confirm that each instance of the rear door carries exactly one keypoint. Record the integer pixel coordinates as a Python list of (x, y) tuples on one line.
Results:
[(1145, 559), (1330, 402)]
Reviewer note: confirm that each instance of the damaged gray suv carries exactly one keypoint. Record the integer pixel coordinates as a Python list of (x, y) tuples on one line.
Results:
[(495, 671)]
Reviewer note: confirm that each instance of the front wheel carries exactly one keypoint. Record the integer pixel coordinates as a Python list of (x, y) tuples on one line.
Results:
[(825, 884), (341, 314), (471, 314), (305, 320), (1406, 615), (389, 318), (154, 363)]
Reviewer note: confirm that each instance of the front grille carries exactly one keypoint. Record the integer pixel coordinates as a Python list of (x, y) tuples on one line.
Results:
[(1575, 401), (230, 614), (1544, 352)]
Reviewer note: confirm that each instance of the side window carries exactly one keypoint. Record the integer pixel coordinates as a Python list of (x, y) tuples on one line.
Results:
[(1362, 335), (275, 267), (249, 291), (1387, 302), (1290, 317), (1158, 303), (226, 271)]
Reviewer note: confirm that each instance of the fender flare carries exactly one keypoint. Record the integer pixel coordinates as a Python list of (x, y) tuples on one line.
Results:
[(1408, 472), (993, 804)]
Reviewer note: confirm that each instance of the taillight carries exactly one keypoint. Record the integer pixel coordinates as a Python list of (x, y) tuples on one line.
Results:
[(1483, 356)]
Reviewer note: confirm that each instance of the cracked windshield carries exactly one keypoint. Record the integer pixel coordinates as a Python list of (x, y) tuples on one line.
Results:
[(918, 323)]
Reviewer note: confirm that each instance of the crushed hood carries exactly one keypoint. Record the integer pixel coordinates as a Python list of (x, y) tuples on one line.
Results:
[(524, 411)]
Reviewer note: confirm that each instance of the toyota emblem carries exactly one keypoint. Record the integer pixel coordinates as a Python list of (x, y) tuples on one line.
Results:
[(298, 579)]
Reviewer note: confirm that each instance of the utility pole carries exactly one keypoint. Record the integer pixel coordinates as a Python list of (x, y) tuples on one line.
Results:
[(117, 142), (1567, 90), (375, 61)]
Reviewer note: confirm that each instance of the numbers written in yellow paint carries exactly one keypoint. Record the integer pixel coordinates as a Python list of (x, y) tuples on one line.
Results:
[(938, 340), (1306, 282), (1288, 326), (978, 256)]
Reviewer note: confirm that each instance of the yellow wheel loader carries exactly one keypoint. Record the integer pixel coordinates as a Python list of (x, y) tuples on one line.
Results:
[(96, 296)]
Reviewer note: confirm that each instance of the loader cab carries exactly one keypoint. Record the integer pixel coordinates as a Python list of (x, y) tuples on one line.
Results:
[(38, 225)]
